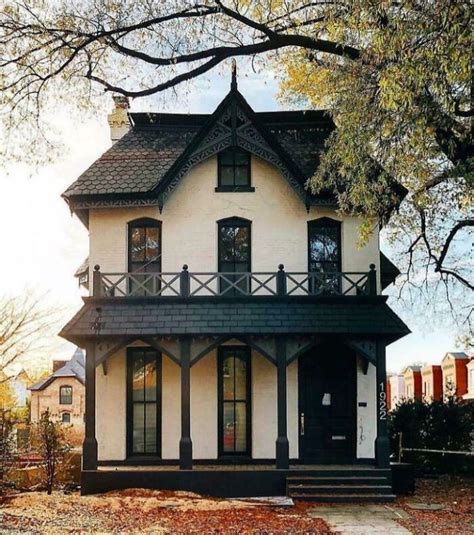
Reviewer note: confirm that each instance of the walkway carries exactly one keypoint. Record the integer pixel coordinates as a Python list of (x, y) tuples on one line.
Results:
[(362, 519)]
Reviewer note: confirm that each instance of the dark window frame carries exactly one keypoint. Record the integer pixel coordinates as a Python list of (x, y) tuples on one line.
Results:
[(62, 395), (144, 222), (233, 221), (325, 222), (220, 165), (68, 414), (131, 351), (221, 355)]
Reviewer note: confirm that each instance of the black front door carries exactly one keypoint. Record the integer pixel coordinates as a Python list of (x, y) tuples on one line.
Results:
[(327, 405)]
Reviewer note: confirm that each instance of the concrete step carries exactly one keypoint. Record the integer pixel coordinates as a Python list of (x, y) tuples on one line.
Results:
[(344, 498), (338, 489), (334, 480)]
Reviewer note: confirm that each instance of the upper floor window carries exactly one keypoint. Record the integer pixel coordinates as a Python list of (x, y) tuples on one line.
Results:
[(144, 253), (324, 252), (65, 395), (234, 253), (233, 170)]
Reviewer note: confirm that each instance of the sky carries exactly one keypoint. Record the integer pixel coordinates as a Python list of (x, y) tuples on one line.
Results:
[(43, 244)]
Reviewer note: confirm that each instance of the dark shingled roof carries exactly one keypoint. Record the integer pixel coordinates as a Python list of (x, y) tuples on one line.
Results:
[(141, 158), (254, 316), (72, 368)]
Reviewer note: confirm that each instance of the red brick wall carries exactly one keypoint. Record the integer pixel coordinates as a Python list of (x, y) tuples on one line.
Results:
[(461, 377)]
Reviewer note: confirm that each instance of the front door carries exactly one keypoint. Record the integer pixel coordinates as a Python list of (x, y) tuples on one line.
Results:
[(327, 405)]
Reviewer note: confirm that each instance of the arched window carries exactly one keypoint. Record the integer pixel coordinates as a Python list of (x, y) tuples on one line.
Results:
[(324, 252), (65, 395), (233, 170), (144, 253), (234, 253)]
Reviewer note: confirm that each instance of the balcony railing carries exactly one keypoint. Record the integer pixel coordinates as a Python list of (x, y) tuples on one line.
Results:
[(222, 284)]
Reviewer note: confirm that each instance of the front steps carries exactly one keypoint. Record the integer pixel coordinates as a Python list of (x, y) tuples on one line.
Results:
[(342, 486)]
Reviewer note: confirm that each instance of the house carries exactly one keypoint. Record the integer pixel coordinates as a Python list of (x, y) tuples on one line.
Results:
[(14, 387), (454, 367), (62, 393), (232, 320), (395, 389), (470, 380), (19, 383), (412, 379), (432, 382)]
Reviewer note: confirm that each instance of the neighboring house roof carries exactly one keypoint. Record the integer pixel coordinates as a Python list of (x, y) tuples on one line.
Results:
[(458, 355), (413, 368), (135, 319), (148, 162), (72, 368)]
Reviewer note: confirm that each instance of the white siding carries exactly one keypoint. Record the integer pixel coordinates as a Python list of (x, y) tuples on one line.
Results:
[(366, 416)]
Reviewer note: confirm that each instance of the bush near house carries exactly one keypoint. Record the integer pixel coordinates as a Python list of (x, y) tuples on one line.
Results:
[(438, 425)]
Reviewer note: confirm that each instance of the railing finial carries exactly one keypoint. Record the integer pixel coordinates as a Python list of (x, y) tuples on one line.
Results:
[(281, 267), (97, 267), (185, 267), (96, 282)]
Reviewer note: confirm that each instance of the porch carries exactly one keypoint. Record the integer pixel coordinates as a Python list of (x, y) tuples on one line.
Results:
[(322, 483)]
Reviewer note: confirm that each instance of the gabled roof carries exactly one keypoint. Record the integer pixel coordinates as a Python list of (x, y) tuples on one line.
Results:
[(72, 368), (457, 355), (413, 368), (148, 162)]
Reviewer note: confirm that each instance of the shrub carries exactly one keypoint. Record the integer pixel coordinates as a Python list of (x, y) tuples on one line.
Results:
[(49, 439), (438, 425)]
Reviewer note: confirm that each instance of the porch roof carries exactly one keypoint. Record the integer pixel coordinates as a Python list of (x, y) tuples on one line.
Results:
[(145, 317)]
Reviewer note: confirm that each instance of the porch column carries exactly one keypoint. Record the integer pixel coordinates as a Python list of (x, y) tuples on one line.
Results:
[(89, 446), (185, 444), (282, 445), (382, 446)]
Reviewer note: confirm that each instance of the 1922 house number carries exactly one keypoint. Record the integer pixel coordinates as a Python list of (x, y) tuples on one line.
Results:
[(382, 402)]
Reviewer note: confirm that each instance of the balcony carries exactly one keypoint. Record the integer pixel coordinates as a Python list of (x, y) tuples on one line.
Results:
[(186, 284)]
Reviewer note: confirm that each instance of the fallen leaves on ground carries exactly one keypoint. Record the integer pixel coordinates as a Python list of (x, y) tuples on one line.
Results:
[(151, 511), (457, 497)]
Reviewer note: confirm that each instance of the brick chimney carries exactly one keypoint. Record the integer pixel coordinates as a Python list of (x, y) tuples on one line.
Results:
[(57, 364), (118, 120)]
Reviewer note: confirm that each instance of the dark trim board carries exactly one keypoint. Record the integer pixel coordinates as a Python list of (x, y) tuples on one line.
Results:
[(156, 461), (221, 483)]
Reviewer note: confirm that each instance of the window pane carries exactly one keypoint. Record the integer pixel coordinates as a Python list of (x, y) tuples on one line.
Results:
[(138, 428), (65, 395), (241, 158), (150, 378), (242, 176), (226, 157), (240, 427), (228, 427), (228, 377), (227, 236), (242, 245), (324, 244), (137, 245), (152, 243), (138, 383), (226, 176), (240, 379), (150, 429)]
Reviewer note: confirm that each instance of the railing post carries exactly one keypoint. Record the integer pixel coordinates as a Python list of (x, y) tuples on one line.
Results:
[(96, 282), (372, 277), (281, 280), (184, 282)]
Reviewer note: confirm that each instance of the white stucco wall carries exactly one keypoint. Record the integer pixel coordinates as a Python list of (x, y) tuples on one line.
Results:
[(366, 416), (189, 229)]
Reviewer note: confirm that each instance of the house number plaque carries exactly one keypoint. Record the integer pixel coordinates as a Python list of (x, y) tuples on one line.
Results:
[(382, 402)]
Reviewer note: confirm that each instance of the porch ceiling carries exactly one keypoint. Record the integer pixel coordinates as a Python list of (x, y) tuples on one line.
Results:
[(138, 318)]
